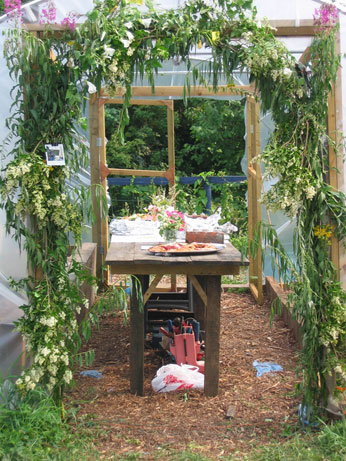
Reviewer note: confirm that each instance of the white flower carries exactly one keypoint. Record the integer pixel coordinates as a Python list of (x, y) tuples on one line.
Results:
[(67, 376), (19, 382), (146, 22), (51, 322), (310, 192), (287, 72), (334, 333), (53, 369), (113, 68), (130, 52), (126, 44), (45, 351), (338, 369), (91, 88), (103, 36), (130, 35), (27, 378), (246, 35), (108, 51)]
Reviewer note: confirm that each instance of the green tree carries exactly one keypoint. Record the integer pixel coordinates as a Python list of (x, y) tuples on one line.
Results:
[(209, 135)]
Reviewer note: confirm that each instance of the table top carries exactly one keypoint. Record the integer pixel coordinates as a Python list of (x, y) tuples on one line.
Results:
[(130, 258)]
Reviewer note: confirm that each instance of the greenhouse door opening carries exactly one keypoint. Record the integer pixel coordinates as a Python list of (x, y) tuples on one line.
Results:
[(100, 171)]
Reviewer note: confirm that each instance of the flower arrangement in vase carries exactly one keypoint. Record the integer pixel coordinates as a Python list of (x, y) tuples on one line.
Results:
[(171, 220)]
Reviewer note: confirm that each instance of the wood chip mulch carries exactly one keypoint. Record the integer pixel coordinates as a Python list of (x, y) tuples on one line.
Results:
[(249, 411)]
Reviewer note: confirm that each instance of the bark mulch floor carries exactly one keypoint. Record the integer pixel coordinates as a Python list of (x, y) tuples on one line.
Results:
[(156, 425)]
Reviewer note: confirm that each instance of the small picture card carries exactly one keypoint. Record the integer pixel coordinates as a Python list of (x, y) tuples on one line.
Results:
[(55, 154)]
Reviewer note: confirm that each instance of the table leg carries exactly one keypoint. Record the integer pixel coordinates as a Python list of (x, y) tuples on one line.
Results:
[(212, 335), (137, 337), (198, 304)]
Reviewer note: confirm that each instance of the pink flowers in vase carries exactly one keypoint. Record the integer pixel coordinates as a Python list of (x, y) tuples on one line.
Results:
[(171, 220)]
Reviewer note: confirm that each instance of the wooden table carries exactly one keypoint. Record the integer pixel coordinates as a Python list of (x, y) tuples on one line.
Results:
[(204, 271)]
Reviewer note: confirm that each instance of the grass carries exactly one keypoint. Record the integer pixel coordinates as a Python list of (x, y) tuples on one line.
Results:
[(327, 445), (31, 429)]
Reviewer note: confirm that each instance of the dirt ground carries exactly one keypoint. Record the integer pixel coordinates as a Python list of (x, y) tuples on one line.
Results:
[(263, 408)]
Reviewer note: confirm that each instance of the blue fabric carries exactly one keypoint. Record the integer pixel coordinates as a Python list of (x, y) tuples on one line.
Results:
[(266, 367), (91, 373)]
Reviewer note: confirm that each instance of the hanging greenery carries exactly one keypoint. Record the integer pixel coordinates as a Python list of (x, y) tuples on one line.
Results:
[(119, 42)]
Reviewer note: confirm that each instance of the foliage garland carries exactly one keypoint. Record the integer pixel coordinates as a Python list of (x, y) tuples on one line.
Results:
[(117, 42)]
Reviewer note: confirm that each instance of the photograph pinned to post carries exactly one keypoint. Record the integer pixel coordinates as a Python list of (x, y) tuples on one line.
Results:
[(55, 155)]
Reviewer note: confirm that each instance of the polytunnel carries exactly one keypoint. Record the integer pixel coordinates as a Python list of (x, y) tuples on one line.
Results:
[(293, 19)]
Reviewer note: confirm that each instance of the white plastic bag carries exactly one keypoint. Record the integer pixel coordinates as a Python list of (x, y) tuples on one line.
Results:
[(177, 377)]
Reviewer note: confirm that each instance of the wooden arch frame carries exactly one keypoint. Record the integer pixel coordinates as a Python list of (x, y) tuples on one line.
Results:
[(100, 171)]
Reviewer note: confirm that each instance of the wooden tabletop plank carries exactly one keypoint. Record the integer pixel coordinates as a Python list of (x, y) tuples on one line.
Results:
[(120, 252)]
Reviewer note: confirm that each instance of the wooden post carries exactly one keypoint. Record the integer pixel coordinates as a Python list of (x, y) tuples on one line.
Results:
[(333, 172), (171, 150), (254, 194), (103, 181), (212, 338), (339, 159), (137, 337), (95, 178)]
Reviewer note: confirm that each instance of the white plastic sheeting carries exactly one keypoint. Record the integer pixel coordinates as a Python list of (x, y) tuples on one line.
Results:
[(11, 343)]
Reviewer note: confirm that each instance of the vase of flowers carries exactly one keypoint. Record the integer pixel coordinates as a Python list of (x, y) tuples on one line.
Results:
[(171, 222)]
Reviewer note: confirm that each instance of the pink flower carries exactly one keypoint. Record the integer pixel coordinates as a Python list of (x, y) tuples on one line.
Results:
[(70, 20), (326, 16), (48, 16), (13, 7)]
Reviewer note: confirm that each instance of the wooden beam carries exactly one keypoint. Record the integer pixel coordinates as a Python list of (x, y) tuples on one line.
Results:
[(161, 91), (129, 172), (139, 102), (152, 287), (34, 27), (290, 28), (283, 26), (199, 289)]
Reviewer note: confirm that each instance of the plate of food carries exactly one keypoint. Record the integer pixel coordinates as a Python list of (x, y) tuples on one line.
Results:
[(184, 249)]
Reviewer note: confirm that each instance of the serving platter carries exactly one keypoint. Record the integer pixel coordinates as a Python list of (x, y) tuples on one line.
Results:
[(185, 249)]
